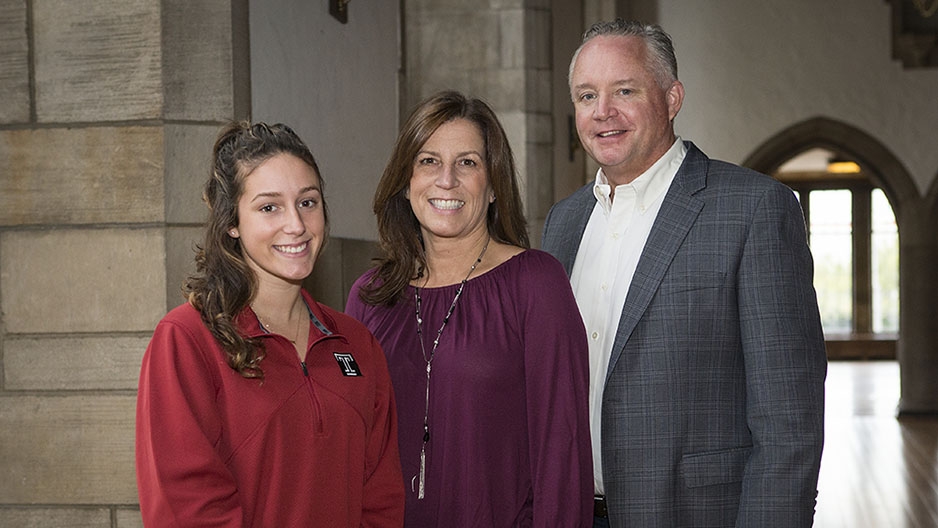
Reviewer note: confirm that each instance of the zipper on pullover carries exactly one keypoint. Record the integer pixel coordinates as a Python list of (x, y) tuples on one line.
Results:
[(317, 405)]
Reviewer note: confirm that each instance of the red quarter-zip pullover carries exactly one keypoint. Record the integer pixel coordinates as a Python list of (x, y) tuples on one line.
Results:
[(314, 444)]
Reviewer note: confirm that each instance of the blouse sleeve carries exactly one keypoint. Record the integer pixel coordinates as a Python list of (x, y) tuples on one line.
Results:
[(557, 385), (353, 305), (180, 478)]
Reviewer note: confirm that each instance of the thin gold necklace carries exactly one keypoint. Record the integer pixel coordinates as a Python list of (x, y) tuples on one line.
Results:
[(421, 486), (296, 334)]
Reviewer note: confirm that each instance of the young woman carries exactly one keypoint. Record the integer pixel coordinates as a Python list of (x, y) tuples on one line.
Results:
[(257, 405)]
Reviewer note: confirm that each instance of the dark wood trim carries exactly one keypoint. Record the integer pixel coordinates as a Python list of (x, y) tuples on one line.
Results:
[(848, 348)]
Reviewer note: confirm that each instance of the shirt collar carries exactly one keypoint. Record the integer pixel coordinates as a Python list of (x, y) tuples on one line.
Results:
[(250, 324), (650, 184)]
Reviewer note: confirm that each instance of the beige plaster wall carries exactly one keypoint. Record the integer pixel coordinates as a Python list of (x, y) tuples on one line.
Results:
[(753, 68)]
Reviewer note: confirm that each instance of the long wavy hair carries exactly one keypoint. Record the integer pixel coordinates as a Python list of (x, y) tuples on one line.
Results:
[(223, 284), (399, 232)]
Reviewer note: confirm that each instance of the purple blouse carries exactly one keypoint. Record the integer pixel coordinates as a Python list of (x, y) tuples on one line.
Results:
[(509, 426)]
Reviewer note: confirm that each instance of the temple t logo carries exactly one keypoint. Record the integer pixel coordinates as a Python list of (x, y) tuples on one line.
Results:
[(347, 364)]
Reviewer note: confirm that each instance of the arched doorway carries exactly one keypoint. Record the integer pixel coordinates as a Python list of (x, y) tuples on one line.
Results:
[(918, 245), (854, 143), (853, 236)]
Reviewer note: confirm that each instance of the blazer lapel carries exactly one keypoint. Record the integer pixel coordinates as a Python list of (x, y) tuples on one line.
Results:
[(678, 212)]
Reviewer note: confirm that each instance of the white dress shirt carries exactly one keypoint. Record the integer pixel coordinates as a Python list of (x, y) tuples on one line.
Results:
[(605, 262)]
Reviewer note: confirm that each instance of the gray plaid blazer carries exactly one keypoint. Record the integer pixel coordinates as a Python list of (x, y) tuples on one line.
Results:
[(713, 406)]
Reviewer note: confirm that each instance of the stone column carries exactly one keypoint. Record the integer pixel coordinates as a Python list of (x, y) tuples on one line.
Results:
[(109, 112), (917, 349), (499, 52)]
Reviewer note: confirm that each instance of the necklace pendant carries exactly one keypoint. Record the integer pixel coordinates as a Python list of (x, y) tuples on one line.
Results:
[(422, 477)]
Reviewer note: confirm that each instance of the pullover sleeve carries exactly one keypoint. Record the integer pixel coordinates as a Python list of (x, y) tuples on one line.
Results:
[(383, 496), (181, 478)]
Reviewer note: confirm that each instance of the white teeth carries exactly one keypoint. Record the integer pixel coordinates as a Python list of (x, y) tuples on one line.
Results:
[(447, 204), (610, 133), (292, 249)]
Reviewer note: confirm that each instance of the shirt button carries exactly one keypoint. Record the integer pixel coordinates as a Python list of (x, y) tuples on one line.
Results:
[(595, 335), (615, 236), (604, 286)]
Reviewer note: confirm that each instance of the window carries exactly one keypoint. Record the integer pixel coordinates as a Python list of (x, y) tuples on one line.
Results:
[(830, 232), (855, 244), (885, 266)]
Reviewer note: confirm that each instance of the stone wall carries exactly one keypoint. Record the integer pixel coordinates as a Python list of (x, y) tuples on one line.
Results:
[(109, 111)]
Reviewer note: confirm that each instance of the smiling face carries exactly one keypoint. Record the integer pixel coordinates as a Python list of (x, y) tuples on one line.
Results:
[(281, 221), (623, 114), (449, 187)]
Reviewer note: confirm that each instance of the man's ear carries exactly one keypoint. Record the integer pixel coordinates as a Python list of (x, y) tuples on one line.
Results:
[(675, 97)]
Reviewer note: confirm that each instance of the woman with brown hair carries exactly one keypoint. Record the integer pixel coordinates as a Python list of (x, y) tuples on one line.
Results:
[(487, 352), (259, 406)]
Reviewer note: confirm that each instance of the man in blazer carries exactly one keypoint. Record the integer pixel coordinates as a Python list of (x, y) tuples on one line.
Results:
[(694, 280)]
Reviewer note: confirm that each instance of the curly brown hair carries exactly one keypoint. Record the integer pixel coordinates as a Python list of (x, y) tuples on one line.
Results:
[(223, 284)]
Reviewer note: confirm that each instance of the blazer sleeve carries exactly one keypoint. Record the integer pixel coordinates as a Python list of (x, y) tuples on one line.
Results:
[(181, 479), (557, 384), (785, 363)]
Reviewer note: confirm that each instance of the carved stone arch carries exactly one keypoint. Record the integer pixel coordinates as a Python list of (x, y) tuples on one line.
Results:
[(932, 197), (917, 222), (876, 160)]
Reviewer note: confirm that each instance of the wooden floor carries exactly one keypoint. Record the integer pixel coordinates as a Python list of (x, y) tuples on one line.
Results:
[(877, 471)]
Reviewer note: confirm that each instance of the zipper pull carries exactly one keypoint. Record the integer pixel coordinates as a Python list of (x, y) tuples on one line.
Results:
[(305, 372)]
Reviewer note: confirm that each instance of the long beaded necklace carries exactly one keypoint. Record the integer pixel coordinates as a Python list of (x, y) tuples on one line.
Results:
[(421, 488)]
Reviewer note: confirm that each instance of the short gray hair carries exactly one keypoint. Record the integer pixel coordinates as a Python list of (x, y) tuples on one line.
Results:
[(660, 47)]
